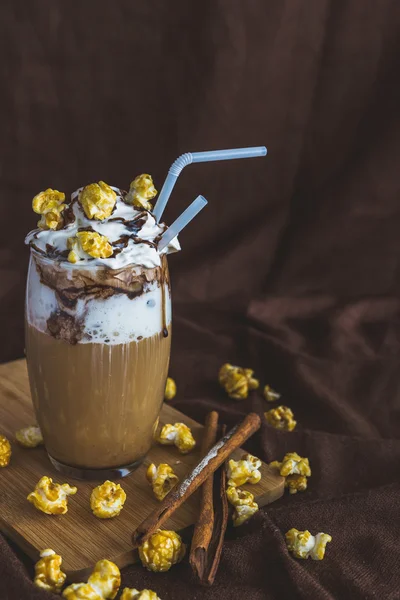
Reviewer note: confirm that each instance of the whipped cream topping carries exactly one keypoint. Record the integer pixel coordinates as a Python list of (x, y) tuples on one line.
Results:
[(133, 234)]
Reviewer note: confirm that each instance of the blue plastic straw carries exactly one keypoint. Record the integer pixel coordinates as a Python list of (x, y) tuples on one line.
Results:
[(196, 157), (181, 222)]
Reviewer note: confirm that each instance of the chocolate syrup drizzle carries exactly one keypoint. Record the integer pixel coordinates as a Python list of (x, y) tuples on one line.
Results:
[(163, 300), (129, 280), (132, 225)]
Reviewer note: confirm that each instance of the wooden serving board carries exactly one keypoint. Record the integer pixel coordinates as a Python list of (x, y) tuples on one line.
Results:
[(78, 536)]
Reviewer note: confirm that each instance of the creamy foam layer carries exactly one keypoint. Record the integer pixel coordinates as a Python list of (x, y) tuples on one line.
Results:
[(133, 233), (97, 305), (114, 320)]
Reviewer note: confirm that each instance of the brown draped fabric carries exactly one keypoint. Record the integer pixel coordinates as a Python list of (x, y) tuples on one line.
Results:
[(293, 268)]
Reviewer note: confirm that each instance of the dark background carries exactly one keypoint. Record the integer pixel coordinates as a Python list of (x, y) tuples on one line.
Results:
[(292, 269)]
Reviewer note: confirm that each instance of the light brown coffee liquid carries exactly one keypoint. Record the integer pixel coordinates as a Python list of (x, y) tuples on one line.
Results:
[(97, 404)]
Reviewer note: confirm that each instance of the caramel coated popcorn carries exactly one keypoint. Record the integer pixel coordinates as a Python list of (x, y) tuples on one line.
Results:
[(103, 584), (302, 544), (88, 242), (244, 470), (141, 191), (296, 483), (237, 381), (49, 204), (29, 437), (107, 500), (281, 417), (48, 574), (270, 395), (106, 579), (244, 504), (296, 470), (132, 594), (5, 451), (162, 550), (178, 435), (293, 464), (162, 479), (170, 389), (98, 200), (81, 591), (51, 498)]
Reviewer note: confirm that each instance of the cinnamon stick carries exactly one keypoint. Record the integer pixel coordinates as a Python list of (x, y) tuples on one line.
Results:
[(204, 528), (207, 559), (207, 465)]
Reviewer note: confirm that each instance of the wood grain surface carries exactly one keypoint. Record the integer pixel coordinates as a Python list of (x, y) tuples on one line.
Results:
[(78, 536)]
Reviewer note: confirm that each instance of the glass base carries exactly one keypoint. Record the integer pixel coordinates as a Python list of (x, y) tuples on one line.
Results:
[(95, 474)]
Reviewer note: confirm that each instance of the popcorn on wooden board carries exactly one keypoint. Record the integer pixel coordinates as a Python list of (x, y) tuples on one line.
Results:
[(281, 417), (244, 504), (88, 243), (133, 594), (107, 500), (48, 574), (179, 435), (162, 479), (97, 200), (141, 190), (237, 381), (51, 498), (29, 437), (103, 584), (162, 550), (303, 545), (170, 389), (270, 395), (49, 204), (244, 471), (5, 451)]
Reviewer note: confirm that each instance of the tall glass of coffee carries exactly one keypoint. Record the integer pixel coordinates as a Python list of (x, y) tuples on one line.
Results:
[(98, 327)]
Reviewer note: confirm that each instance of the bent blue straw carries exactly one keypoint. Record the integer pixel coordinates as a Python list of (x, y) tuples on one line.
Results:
[(181, 222), (196, 157)]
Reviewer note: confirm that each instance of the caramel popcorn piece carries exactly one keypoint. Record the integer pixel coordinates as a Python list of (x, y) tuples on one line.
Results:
[(293, 464), (178, 435), (132, 594), (237, 381), (162, 550), (296, 483), (107, 500), (88, 243), (170, 389), (48, 574), (5, 451), (296, 470), (49, 204), (141, 191), (29, 437), (98, 200), (281, 417), (162, 479), (244, 470), (270, 395), (105, 579), (81, 591), (244, 504), (302, 544), (51, 498), (103, 584)]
